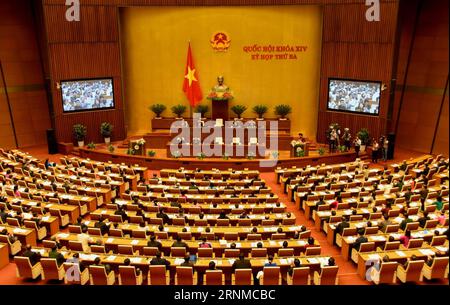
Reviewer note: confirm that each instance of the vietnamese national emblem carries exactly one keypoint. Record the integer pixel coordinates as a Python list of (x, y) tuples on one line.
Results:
[(220, 41)]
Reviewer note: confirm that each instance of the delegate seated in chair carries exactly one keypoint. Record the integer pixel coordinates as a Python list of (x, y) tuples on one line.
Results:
[(327, 274), (386, 272), (158, 260), (33, 256)]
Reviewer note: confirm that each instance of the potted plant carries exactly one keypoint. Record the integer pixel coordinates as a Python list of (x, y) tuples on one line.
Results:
[(111, 148), (201, 156), (202, 109), (260, 110), (283, 110), (158, 109), (151, 153), (91, 145), (178, 110), (238, 110), (321, 151), (80, 131), (106, 130), (364, 136)]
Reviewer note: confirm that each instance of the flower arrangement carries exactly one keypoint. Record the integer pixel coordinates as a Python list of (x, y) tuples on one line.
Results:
[(176, 154), (151, 153), (201, 156), (220, 96), (251, 156), (178, 110), (91, 145), (275, 154), (111, 148), (140, 142)]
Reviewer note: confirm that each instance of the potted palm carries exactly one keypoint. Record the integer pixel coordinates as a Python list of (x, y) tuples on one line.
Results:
[(364, 136), (283, 110), (178, 110), (238, 110), (106, 130), (157, 109), (202, 109), (80, 131), (260, 110)]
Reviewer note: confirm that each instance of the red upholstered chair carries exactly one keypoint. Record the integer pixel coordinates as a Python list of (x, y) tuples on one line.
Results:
[(51, 271), (300, 276), (158, 275), (185, 276), (242, 277), (231, 253), (326, 276), (14, 248), (271, 276), (214, 277), (99, 276), (128, 276), (24, 268)]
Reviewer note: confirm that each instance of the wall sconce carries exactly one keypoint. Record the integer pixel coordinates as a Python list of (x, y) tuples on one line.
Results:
[(58, 86), (383, 87)]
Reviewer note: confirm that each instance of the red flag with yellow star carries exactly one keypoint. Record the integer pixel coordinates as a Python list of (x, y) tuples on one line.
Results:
[(191, 85)]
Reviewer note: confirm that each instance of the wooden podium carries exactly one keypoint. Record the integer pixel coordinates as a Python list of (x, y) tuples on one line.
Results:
[(219, 109)]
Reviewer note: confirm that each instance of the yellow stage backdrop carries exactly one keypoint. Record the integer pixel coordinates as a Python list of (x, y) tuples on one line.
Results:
[(155, 42)]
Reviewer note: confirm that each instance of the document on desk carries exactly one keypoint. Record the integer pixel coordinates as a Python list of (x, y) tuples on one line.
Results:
[(231, 261), (426, 251), (400, 253), (178, 261), (110, 240), (374, 256), (136, 260), (135, 242), (313, 260), (111, 258), (63, 235)]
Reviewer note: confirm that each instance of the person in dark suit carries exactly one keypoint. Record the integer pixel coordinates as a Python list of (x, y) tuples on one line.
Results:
[(97, 262), (104, 228), (423, 220), (342, 225), (12, 239), (56, 255), (159, 261), (164, 216), (120, 211), (386, 222), (180, 243), (187, 262), (241, 263), (80, 223), (33, 256), (295, 264), (3, 214), (154, 243), (127, 262), (361, 239)]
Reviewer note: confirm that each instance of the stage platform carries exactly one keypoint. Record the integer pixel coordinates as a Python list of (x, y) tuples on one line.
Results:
[(161, 161)]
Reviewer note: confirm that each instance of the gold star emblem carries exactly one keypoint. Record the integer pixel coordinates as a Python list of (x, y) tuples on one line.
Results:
[(190, 76)]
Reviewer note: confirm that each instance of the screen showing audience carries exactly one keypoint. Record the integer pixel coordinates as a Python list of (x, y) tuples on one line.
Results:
[(354, 96), (84, 95)]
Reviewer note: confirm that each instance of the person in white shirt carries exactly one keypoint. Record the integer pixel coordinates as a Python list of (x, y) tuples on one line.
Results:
[(85, 240)]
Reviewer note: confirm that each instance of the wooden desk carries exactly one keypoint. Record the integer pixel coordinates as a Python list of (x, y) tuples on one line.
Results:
[(25, 235), (4, 255), (399, 256)]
